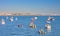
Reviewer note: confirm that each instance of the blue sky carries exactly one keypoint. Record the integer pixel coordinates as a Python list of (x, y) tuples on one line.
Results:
[(30, 6)]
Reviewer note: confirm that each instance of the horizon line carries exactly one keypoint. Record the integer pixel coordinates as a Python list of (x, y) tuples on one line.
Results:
[(26, 14)]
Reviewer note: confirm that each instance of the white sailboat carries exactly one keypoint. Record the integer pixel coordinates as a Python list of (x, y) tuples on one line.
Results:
[(3, 22)]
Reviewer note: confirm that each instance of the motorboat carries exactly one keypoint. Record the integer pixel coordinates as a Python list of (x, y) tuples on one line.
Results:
[(11, 19), (32, 25), (50, 18), (41, 31), (20, 25), (48, 27)]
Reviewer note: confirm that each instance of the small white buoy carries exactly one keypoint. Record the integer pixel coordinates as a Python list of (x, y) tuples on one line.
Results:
[(35, 18), (3, 22)]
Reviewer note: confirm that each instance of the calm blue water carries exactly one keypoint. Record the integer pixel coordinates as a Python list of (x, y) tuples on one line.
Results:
[(11, 28)]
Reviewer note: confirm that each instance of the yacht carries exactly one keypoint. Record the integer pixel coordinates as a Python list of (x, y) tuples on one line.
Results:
[(32, 25), (48, 27)]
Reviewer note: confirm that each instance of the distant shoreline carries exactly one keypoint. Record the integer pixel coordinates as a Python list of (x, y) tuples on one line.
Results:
[(29, 15), (26, 14)]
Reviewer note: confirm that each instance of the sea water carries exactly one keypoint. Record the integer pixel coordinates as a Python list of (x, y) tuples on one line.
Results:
[(12, 29)]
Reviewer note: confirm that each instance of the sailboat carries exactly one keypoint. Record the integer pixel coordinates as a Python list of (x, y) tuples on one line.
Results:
[(3, 22)]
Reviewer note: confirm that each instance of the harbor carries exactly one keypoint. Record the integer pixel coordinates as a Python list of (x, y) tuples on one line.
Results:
[(29, 17)]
